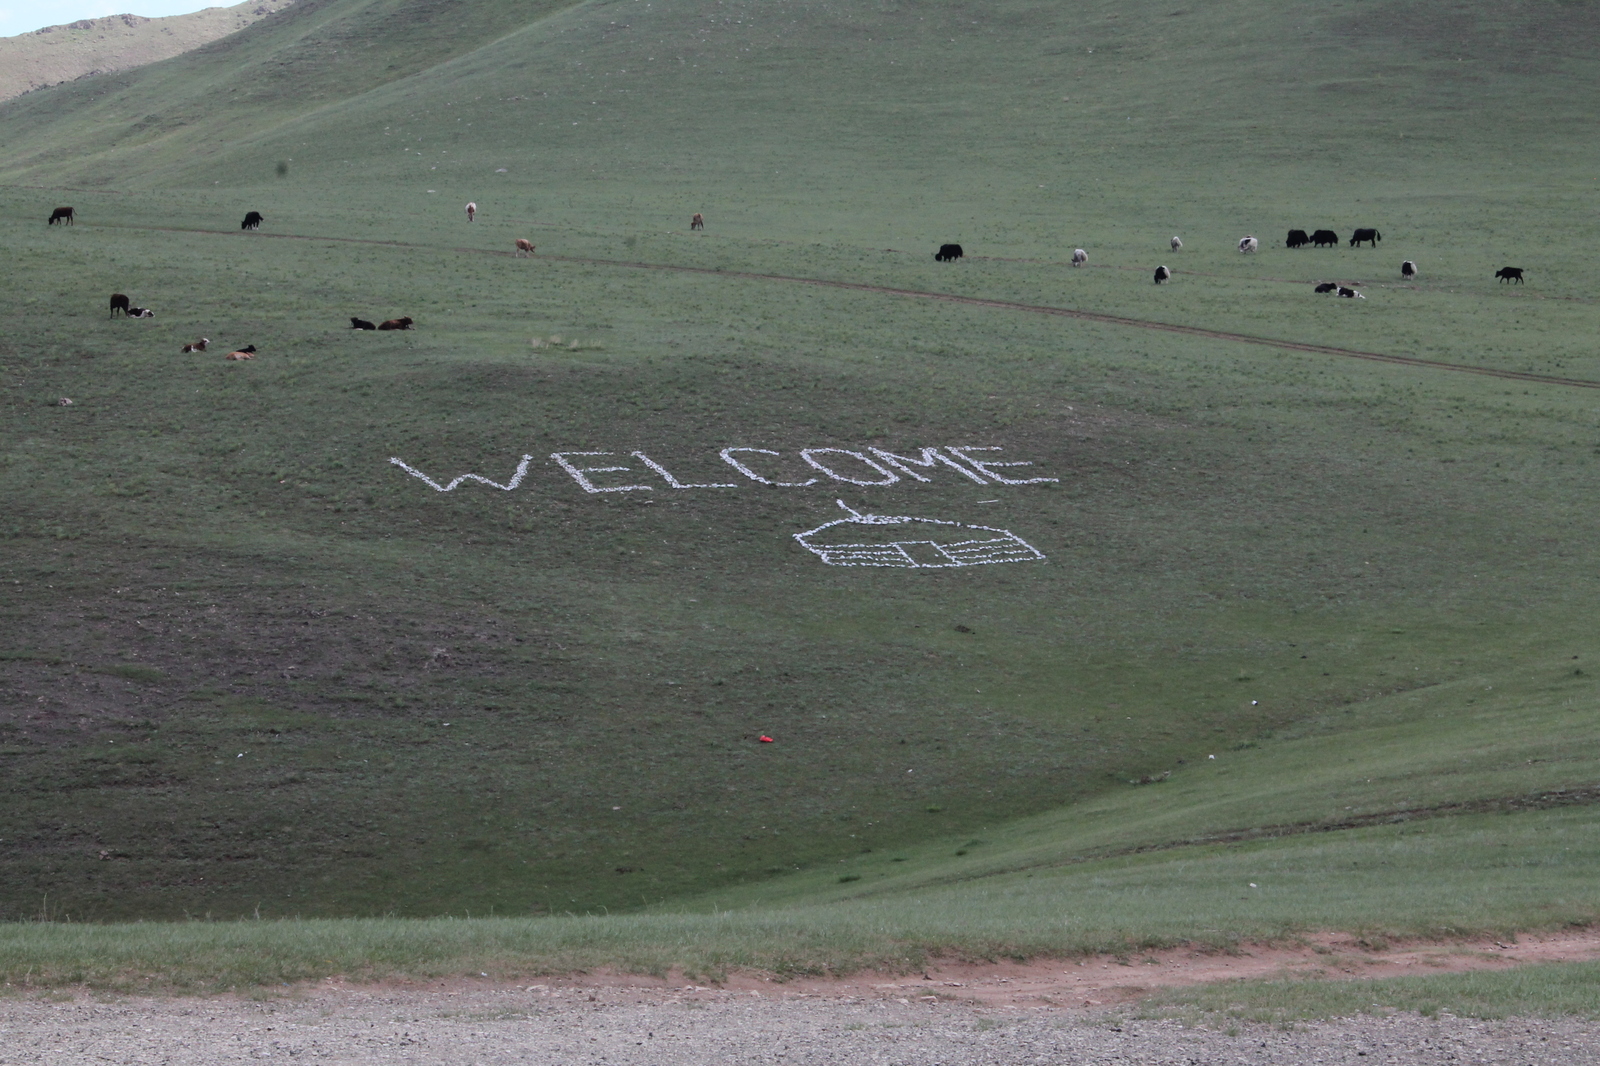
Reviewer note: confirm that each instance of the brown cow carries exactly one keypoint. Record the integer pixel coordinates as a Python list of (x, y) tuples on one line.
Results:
[(698, 221), (119, 302), (247, 352), (396, 323), (524, 247)]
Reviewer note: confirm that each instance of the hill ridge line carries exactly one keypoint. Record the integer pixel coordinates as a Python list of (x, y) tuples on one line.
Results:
[(971, 301), (1533, 801)]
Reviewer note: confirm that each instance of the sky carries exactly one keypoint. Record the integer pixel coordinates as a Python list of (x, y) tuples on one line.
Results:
[(23, 16)]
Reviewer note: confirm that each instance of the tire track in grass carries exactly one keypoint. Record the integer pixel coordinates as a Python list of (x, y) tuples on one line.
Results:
[(968, 301)]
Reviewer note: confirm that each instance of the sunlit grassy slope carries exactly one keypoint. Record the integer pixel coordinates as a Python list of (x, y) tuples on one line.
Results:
[(250, 664)]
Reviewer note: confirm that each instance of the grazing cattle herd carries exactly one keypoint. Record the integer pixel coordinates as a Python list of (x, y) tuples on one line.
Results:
[(1297, 238)]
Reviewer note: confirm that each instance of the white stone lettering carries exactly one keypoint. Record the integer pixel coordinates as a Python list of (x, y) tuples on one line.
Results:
[(808, 455), (930, 456), (727, 455), (516, 478), (670, 480), (987, 463), (578, 473)]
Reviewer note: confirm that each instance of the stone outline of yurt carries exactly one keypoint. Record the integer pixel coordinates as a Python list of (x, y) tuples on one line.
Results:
[(1007, 547)]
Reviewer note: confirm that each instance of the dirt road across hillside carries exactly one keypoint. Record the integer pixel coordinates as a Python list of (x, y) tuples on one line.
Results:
[(968, 1015), (971, 301)]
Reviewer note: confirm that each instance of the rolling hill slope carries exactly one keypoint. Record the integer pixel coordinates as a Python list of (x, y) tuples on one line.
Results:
[(257, 667)]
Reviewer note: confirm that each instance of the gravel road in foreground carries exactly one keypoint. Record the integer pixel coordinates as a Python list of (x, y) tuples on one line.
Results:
[(542, 1025)]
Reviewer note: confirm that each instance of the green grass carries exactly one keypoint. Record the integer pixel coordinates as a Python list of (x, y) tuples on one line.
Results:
[(251, 668)]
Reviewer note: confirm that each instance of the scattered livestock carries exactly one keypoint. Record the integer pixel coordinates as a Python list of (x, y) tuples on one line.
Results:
[(1372, 236), (1408, 270), (1162, 274), (252, 221), (396, 323), (1506, 274), (1298, 238), (1325, 238), (140, 312), (524, 247), (119, 302), (698, 221), (1350, 294), (1079, 257), (1326, 286), (1176, 244), (948, 253), (247, 352), (198, 346), (472, 211), (1248, 244), (361, 323), (61, 214)]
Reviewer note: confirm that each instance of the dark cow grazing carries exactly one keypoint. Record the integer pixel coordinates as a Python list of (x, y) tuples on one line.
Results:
[(1325, 238), (1350, 294), (1506, 274), (698, 221), (1162, 274), (1326, 286), (1297, 239), (252, 221), (60, 214), (948, 252), (396, 323), (1372, 236), (1408, 270), (361, 323), (119, 302)]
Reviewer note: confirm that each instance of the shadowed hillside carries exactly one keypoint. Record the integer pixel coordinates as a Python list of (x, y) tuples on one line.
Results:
[(255, 665)]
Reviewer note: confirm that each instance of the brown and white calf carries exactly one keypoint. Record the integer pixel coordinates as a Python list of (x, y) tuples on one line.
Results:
[(698, 221), (524, 247)]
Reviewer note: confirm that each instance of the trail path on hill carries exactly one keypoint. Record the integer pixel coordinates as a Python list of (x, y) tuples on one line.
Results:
[(970, 301), (1047, 1012)]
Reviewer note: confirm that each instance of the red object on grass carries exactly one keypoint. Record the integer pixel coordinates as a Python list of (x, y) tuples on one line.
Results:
[(765, 739)]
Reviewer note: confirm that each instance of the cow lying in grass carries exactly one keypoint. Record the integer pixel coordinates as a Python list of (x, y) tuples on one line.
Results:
[(198, 346), (247, 352), (361, 323), (396, 323)]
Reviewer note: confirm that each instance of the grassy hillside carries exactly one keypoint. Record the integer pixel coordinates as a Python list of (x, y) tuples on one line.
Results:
[(253, 667), (57, 54)]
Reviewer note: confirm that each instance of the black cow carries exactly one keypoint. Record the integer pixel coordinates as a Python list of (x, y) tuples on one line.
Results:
[(1162, 274), (252, 221), (1408, 270), (60, 214), (1506, 274), (1370, 235), (1325, 238), (1326, 286), (361, 323), (119, 302), (1298, 239), (948, 252), (1350, 294)]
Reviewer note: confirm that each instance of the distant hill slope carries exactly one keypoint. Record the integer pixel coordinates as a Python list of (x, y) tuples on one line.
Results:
[(117, 42)]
